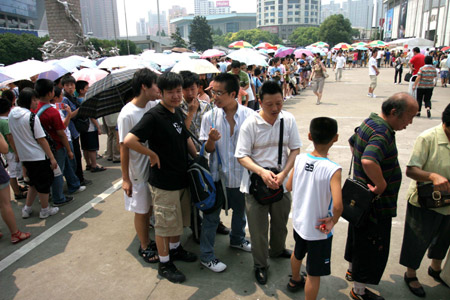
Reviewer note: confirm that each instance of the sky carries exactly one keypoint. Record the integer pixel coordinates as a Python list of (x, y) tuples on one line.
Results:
[(136, 9)]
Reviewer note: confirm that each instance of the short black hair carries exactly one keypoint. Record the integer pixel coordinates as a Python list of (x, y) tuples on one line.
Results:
[(189, 79), (143, 77), (58, 91), (270, 87), (68, 79), (416, 49), (21, 84), (257, 71), (5, 105), (235, 64), (9, 95), (243, 63), (231, 82), (43, 87), (80, 84), (169, 81), (26, 96), (428, 60), (323, 130), (446, 116)]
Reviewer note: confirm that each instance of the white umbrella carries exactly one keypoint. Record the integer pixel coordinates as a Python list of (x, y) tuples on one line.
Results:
[(5, 79), (26, 69), (114, 62), (212, 53), (164, 60), (199, 66), (72, 62), (249, 57), (90, 75)]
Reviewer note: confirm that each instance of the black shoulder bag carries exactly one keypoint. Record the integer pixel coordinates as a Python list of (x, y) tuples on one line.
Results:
[(429, 198), (262, 193)]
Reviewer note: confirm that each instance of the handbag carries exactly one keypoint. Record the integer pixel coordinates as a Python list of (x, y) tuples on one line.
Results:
[(357, 199), (259, 189), (429, 198), (408, 76)]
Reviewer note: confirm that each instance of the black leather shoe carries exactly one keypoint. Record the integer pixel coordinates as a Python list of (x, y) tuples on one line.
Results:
[(436, 275), (222, 229), (419, 292), (285, 254), (261, 275)]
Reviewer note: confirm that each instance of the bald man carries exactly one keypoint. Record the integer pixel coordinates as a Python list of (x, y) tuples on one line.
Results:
[(376, 165)]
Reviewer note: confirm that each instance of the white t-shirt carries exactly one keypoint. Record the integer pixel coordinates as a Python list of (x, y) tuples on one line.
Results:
[(26, 144), (380, 54), (311, 195), (249, 90), (372, 63), (61, 114), (139, 164), (340, 62), (259, 141)]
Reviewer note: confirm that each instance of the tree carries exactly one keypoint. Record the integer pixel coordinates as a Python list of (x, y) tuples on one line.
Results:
[(217, 31), (336, 29), (19, 47), (178, 41), (106, 45), (303, 36), (163, 33), (200, 36)]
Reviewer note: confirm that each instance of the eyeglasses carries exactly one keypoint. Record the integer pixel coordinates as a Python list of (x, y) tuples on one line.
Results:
[(214, 93)]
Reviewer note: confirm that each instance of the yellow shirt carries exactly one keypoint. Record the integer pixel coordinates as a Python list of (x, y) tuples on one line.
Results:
[(432, 154)]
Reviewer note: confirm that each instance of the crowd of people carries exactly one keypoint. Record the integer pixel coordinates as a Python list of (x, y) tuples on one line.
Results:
[(236, 120)]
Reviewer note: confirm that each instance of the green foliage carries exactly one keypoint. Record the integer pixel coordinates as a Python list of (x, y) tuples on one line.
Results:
[(163, 33), (303, 36), (200, 36), (178, 41), (253, 36), (219, 40), (336, 29), (106, 45), (19, 47), (217, 31), (356, 33)]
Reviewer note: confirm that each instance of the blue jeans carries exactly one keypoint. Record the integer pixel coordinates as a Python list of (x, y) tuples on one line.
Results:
[(73, 183), (236, 201)]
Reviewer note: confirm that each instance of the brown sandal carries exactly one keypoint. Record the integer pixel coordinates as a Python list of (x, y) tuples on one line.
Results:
[(19, 236)]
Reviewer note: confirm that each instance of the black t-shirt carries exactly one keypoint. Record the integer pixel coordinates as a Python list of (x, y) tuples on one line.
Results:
[(167, 137)]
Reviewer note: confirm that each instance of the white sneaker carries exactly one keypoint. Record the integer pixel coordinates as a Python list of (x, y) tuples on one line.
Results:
[(374, 96), (369, 95), (82, 188), (26, 213), (47, 212), (246, 246), (215, 265)]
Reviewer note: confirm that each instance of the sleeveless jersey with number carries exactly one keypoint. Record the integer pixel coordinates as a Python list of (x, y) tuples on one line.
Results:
[(311, 195)]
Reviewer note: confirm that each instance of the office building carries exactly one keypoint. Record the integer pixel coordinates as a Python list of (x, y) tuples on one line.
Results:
[(174, 13), (18, 15), (206, 7), (99, 18)]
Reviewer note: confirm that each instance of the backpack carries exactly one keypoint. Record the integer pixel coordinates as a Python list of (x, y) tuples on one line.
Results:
[(201, 183), (49, 139), (81, 124)]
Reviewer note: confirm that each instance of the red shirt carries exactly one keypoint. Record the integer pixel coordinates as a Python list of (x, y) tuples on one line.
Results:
[(418, 61), (51, 121)]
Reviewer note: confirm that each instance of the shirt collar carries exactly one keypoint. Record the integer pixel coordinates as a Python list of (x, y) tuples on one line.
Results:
[(441, 136), (377, 118), (260, 120)]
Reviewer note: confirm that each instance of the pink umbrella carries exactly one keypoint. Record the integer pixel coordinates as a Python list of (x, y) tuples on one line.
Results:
[(298, 53), (283, 52), (212, 53), (90, 75)]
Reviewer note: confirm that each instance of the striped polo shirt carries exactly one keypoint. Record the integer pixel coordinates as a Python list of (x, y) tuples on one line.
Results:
[(427, 73), (375, 141)]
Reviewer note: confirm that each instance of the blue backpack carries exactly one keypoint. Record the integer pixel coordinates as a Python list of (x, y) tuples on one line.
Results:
[(201, 183)]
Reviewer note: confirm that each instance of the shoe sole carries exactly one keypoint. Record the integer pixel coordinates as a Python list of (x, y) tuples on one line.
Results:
[(206, 266), (240, 248), (173, 280)]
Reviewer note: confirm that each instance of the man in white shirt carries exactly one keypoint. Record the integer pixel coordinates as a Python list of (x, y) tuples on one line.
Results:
[(339, 66), (136, 166), (257, 150), (220, 130), (373, 73)]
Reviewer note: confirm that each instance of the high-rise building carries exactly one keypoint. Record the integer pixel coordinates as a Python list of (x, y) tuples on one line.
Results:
[(175, 12), (18, 14), (283, 16), (153, 22), (206, 7), (141, 27), (104, 26)]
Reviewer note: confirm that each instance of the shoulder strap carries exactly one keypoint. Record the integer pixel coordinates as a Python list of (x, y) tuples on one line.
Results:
[(353, 155), (280, 143), (43, 109), (32, 117)]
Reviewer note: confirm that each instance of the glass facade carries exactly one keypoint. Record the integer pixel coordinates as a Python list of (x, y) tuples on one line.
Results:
[(21, 8)]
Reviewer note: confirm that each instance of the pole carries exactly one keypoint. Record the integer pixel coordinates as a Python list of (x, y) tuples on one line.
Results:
[(159, 26), (114, 22), (126, 26)]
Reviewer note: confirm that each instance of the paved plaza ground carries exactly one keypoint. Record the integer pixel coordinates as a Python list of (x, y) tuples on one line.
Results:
[(89, 249)]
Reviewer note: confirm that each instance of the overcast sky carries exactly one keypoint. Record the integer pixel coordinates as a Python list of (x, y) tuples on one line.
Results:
[(137, 9)]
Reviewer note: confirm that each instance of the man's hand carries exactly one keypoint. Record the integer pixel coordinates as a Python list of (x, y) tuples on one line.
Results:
[(127, 187), (154, 160), (193, 106), (270, 179), (377, 189), (214, 135), (53, 163), (440, 183), (70, 155)]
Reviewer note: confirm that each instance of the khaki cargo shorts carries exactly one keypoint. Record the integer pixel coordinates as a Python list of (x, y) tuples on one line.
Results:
[(373, 81), (172, 211)]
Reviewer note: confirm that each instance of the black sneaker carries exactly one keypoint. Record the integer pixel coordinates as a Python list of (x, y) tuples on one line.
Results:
[(368, 295), (170, 272), (181, 254), (68, 200), (86, 182)]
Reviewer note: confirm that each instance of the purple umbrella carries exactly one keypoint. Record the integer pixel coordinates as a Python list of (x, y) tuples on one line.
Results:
[(298, 53), (284, 51)]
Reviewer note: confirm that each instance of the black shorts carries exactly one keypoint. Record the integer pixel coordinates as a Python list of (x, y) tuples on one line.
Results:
[(319, 255), (89, 141), (40, 174)]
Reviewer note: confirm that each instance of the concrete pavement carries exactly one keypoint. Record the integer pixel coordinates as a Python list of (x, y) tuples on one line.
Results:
[(92, 254)]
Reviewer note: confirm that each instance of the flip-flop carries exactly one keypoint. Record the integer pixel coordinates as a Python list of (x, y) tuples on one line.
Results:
[(294, 286)]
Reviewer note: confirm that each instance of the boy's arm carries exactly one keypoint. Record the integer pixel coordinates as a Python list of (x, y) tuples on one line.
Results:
[(44, 144), (96, 125), (132, 142), (191, 148), (336, 192), (65, 142), (124, 159), (289, 183), (10, 139)]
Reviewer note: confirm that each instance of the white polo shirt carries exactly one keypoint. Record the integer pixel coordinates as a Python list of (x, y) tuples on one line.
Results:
[(259, 141)]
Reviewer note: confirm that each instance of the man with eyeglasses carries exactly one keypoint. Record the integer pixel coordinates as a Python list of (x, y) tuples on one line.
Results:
[(220, 130)]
